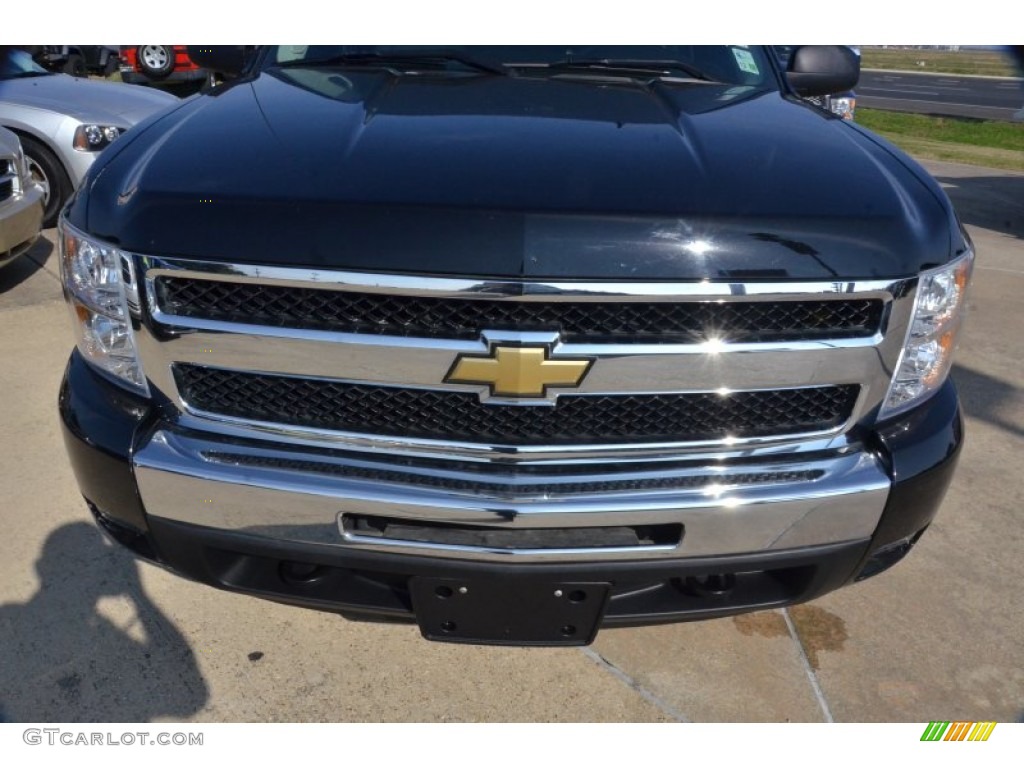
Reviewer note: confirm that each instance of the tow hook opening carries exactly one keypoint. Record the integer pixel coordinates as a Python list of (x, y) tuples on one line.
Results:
[(884, 558), (712, 584), (298, 573), (773, 586), (124, 534)]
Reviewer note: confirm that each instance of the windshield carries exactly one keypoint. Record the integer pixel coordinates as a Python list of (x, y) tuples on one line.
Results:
[(731, 64), (15, 62)]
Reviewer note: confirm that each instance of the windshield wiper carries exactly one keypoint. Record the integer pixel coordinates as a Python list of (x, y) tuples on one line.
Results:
[(399, 61), (655, 67)]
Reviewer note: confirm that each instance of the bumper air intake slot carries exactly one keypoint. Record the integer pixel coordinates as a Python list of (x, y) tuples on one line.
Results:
[(489, 537)]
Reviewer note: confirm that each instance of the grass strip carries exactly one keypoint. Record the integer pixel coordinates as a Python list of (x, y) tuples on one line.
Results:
[(988, 143), (990, 63)]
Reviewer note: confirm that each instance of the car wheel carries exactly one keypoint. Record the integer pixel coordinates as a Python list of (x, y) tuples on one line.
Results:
[(155, 61), (48, 173), (75, 65), (113, 64)]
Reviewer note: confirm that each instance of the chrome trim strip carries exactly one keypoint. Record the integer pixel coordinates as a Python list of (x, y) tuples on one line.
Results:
[(506, 454), (513, 290), (617, 368), (176, 482), (495, 553), (515, 484)]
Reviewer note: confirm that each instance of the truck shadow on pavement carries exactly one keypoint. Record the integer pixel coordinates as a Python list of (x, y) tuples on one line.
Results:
[(26, 265), (90, 645), (990, 202), (992, 400)]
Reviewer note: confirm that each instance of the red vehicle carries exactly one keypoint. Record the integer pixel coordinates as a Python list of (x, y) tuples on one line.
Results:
[(158, 64)]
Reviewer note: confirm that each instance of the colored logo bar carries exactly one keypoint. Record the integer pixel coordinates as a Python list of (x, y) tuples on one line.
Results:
[(957, 731)]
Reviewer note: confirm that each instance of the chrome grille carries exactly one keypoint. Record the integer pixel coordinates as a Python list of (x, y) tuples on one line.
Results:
[(575, 321), (440, 415), (7, 177), (233, 362)]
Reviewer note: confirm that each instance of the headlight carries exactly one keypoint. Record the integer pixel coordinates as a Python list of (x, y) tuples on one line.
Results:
[(844, 106), (93, 138), (102, 293), (928, 350)]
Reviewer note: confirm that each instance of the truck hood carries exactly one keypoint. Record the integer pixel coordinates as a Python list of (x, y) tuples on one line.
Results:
[(89, 101), (517, 177)]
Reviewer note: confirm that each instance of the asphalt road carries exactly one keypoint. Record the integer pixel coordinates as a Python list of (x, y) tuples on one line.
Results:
[(89, 634), (992, 98)]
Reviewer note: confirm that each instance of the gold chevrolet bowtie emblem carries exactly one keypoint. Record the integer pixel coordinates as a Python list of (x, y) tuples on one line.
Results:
[(517, 371)]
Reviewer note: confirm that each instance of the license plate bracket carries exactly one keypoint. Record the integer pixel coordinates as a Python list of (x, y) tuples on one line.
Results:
[(508, 611)]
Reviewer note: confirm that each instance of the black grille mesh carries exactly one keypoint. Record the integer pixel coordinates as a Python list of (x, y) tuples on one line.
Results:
[(461, 416), (433, 317)]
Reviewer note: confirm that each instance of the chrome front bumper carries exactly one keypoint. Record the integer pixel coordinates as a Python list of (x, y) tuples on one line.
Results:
[(21, 218), (291, 494)]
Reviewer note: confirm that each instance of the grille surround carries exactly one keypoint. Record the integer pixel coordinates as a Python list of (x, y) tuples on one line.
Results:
[(460, 416), (693, 321)]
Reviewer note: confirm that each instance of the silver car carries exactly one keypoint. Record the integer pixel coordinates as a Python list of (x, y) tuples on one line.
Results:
[(64, 122), (21, 201)]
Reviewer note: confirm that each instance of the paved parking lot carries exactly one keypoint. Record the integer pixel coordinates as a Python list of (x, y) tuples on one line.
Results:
[(86, 633)]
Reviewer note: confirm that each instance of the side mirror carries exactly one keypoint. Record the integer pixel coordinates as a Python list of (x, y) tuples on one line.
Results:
[(818, 70), (227, 60)]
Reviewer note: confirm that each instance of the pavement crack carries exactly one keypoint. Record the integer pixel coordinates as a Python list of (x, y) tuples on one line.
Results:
[(812, 677), (644, 693)]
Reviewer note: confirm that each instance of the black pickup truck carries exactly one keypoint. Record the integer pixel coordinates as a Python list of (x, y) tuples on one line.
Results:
[(514, 342)]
